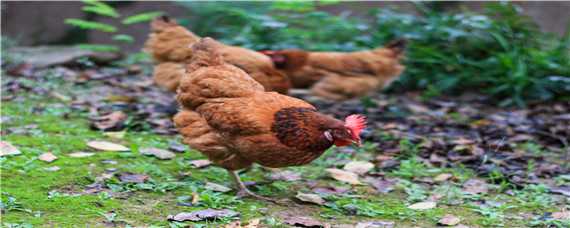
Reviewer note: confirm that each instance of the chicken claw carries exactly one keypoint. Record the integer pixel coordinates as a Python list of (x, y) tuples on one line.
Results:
[(244, 192)]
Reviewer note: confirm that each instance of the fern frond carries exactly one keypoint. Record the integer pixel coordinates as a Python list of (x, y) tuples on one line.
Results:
[(99, 47), (141, 17), (124, 38), (89, 25)]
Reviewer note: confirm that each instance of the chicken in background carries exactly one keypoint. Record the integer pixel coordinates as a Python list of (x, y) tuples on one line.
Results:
[(231, 119), (169, 44), (340, 75)]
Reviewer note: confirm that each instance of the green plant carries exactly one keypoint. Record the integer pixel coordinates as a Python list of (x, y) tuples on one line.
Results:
[(415, 192), (216, 200), (500, 52), (493, 214), (9, 203), (103, 9), (534, 197), (408, 149), (411, 168)]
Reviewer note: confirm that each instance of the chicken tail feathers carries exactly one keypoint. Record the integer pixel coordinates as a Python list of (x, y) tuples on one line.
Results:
[(205, 54)]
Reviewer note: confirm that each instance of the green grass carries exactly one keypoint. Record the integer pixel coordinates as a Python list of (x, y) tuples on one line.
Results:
[(34, 197)]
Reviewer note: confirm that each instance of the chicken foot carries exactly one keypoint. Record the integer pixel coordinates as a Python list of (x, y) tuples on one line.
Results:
[(243, 191)]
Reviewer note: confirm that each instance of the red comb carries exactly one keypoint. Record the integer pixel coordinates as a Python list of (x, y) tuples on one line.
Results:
[(356, 123)]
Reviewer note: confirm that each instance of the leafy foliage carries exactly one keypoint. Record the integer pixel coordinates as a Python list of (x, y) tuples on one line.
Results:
[(141, 17), (103, 9), (500, 52), (100, 8), (89, 25)]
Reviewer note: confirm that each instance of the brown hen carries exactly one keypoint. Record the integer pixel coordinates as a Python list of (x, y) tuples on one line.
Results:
[(169, 44), (339, 75), (228, 116)]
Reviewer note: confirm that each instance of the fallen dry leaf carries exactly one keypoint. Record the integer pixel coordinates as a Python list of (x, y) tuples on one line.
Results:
[(462, 141), (115, 134), (200, 163), (111, 121), (254, 223), (301, 221), (423, 205), (344, 176), (195, 198), (475, 186), (461, 226), (202, 215), (80, 154), (217, 187), (562, 215), (107, 146), (235, 224), (133, 178), (52, 169), (563, 190), (442, 177), (330, 190), (358, 167), (310, 198), (375, 224), (286, 175), (7, 149), (449, 220), (47, 157), (381, 185), (177, 147), (158, 153)]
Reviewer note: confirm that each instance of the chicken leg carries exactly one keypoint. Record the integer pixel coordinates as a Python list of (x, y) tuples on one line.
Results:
[(242, 189)]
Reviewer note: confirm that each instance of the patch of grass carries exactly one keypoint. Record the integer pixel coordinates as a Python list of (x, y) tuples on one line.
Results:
[(413, 168), (534, 197), (415, 192), (387, 208), (34, 197), (493, 214)]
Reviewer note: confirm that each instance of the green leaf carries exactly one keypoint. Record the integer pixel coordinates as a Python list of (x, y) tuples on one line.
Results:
[(101, 8), (141, 17), (123, 38), (293, 5), (89, 25), (328, 2), (100, 11), (99, 47)]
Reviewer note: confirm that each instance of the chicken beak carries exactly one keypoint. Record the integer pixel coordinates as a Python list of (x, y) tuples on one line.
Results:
[(357, 142)]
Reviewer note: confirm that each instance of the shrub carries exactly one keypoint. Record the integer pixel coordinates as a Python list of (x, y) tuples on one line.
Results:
[(500, 52)]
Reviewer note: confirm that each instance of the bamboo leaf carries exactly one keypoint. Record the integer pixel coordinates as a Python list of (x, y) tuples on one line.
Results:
[(141, 17), (89, 25), (124, 38)]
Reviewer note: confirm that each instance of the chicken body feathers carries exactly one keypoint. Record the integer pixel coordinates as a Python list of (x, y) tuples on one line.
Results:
[(170, 42), (239, 122)]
